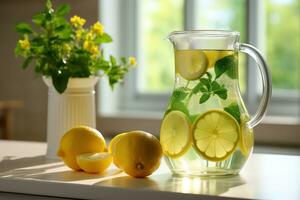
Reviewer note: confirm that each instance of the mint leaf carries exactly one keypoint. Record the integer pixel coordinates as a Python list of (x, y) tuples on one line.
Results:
[(222, 93), (23, 28), (204, 98), (199, 87), (209, 75), (178, 105), (179, 94), (215, 86), (233, 110), (206, 82), (227, 64)]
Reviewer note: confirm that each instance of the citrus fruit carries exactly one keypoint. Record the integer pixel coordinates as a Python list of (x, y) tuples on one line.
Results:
[(138, 153), (94, 162), (79, 140), (215, 135), (190, 64), (112, 146), (247, 138), (175, 134), (213, 56)]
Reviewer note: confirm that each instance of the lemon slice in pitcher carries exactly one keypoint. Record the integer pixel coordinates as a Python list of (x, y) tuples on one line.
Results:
[(246, 141), (215, 135), (190, 64), (175, 135)]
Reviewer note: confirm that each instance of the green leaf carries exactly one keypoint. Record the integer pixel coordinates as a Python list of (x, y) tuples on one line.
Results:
[(123, 60), (23, 28), (222, 93), (49, 5), (209, 75), (105, 38), (232, 71), (39, 19), (27, 62), (112, 60), (204, 98), (62, 10), (178, 105), (227, 64), (179, 95), (60, 82), (199, 87), (206, 82), (215, 86), (233, 110)]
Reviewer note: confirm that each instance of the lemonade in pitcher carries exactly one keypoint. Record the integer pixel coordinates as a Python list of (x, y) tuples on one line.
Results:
[(206, 129)]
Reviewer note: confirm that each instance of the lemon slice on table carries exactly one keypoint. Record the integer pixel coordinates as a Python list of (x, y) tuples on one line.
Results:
[(246, 141), (94, 162), (175, 135), (215, 135), (190, 64)]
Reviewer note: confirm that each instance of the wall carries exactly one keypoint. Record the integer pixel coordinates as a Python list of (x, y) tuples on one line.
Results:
[(24, 85)]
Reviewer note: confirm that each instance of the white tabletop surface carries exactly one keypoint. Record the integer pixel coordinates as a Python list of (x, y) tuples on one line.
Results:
[(24, 169)]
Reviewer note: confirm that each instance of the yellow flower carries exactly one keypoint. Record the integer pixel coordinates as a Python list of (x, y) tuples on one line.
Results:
[(132, 60), (25, 44), (98, 28), (77, 21), (78, 34), (89, 36), (91, 47)]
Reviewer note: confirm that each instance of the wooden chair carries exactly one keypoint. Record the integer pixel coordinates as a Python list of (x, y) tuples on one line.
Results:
[(6, 117)]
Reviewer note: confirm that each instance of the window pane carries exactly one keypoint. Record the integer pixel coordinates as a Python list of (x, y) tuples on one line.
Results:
[(283, 42), (227, 15), (156, 60)]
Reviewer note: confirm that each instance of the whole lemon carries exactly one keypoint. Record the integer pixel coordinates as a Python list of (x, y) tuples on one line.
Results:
[(138, 153), (79, 140)]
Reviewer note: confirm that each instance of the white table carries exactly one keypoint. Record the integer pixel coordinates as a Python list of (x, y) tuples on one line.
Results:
[(24, 169)]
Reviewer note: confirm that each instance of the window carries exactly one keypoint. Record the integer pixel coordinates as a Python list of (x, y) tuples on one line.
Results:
[(271, 25)]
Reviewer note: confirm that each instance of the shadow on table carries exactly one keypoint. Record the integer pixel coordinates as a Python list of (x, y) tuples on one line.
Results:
[(168, 182), (41, 168)]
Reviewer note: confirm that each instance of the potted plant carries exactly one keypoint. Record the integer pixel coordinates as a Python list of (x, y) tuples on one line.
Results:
[(70, 59)]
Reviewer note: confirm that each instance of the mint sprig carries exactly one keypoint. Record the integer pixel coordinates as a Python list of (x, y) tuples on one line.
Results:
[(209, 88)]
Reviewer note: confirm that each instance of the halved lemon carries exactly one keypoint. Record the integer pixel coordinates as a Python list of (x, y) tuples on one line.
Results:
[(175, 134), (190, 64), (94, 162), (215, 135), (246, 141)]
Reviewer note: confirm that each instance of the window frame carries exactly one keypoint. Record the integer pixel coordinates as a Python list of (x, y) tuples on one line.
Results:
[(130, 100)]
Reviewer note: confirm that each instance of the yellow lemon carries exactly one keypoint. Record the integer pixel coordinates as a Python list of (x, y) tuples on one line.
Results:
[(190, 64), (138, 153), (175, 134), (79, 140), (215, 135), (94, 162), (112, 146), (213, 56), (246, 141)]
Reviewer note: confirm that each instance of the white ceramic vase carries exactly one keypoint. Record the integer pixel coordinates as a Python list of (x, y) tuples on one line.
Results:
[(75, 106)]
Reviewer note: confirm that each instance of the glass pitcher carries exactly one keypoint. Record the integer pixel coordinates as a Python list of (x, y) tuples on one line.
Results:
[(206, 129)]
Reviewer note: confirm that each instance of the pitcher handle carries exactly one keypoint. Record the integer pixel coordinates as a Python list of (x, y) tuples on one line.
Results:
[(266, 82)]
